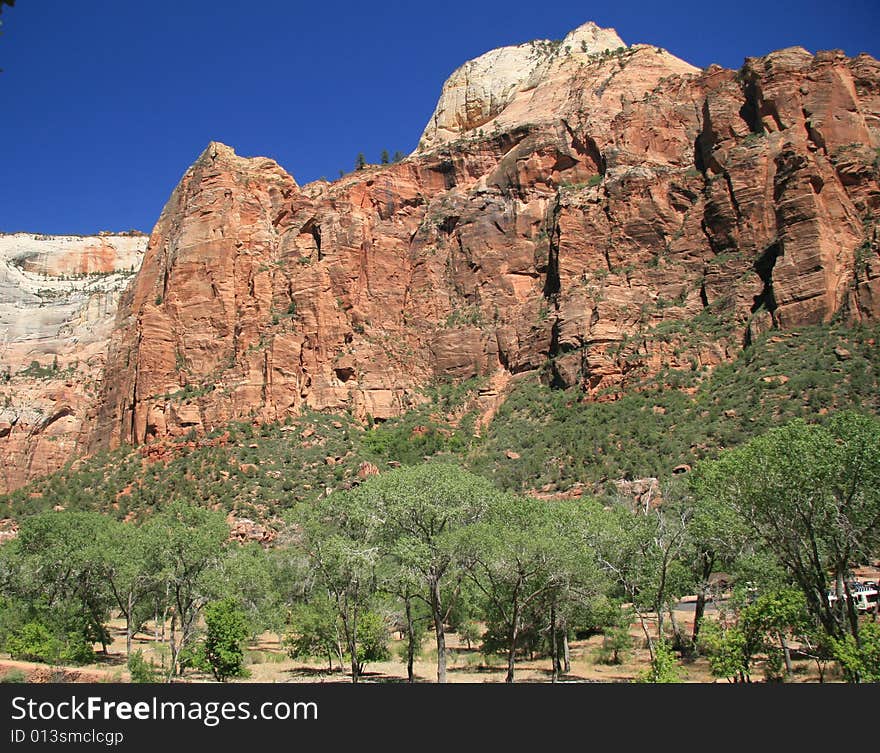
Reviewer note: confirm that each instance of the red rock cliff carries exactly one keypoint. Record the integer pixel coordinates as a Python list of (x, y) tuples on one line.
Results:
[(570, 208)]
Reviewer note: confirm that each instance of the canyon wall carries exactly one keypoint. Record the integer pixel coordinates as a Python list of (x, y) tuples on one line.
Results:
[(588, 210), (58, 302)]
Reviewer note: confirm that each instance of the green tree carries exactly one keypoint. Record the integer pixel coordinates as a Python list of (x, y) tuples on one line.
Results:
[(226, 626), (521, 553), (715, 540), (339, 535), (641, 551), (405, 587), (193, 543), (811, 495), (139, 669), (131, 568), (760, 627), (384, 157), (772, 618), (247, 574), (398, 156), (61, 564), (361, 161), (615, 642), (860, 661), (423, 510), (373, 638), (664, 666), (729, 650), (314, 631)]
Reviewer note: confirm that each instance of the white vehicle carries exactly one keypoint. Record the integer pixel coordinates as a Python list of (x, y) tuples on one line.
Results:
[(864, 596)]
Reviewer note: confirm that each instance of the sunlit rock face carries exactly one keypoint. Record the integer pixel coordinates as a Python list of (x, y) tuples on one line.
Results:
[(58, 301), (576, 209)]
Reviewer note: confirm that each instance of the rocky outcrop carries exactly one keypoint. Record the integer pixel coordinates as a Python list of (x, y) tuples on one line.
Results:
[(588, 210), (58, 301), (483, 88)]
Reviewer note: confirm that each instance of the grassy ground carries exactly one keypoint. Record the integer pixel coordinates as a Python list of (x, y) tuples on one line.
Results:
[(267, 662)]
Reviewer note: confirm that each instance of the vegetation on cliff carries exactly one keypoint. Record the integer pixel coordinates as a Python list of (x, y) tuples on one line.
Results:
[(366, 529)]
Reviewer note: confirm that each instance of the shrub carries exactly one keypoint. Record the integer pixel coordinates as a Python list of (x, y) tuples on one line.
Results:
[(32, 642), (615, 643), (140, 669), (372, 637), (227, 630), (664, 667), (860, 663)]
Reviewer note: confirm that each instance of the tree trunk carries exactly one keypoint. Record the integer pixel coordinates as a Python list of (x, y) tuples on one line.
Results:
[(852, 615), (349, 626), (554, 648), (173, 646), (411, 642), (566, 653), (511, 648), (699, 611), (786, 654), (644, 626), (437, 612), (700, 606), (128, 635), (355, 665)]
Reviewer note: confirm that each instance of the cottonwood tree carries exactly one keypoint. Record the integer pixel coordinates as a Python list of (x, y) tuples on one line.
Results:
[(63, 566), (522, 555), (227, 628), (640, 551), (405, 587), (247, 573), (131, 568), (715, 540), (811, 495), (193, 543), (314, 630), (423, 510), (339, 534)]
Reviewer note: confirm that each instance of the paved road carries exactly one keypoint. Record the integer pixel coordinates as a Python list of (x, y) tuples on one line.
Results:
[(689, 606)]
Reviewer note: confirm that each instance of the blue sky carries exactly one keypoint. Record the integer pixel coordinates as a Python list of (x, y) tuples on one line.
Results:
[(105, 104)]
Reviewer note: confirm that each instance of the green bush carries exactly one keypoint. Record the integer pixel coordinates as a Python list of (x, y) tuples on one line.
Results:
[(860, 663), (227, 630), (664, 667), (616, 642), (372, 635), (140, 670), (34, 641)]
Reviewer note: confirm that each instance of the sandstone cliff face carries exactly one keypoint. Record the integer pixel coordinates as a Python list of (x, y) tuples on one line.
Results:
[(483, 88), (589, 210), (58, 301)]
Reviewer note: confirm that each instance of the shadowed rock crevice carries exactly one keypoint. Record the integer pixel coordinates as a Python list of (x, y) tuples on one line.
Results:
[(764, 265)]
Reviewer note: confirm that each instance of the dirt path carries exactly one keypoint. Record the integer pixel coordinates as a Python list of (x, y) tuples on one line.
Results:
[(43, 673)]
